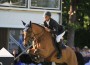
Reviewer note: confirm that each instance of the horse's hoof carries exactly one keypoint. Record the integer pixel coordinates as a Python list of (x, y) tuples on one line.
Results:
[(36, 51)]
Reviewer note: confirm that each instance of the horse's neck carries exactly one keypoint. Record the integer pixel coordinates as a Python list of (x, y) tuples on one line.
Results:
[(46, 39), (47, 43), (36, 28)]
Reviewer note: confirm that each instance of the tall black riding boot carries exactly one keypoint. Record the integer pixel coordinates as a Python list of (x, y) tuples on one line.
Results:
[(59, 52), (58, 48), (59, 55)]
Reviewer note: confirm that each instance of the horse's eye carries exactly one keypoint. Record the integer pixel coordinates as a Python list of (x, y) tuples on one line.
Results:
[(29, 31)]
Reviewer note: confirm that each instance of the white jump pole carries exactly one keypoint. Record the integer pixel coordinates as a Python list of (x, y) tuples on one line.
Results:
[(1, 63), (53, 63)]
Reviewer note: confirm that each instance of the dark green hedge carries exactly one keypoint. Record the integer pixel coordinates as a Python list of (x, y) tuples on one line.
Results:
[(82, 38)]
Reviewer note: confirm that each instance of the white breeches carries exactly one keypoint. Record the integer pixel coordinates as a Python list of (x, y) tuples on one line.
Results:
[(60, 37)]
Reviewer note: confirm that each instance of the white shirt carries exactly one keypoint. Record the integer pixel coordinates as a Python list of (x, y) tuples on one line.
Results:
[(48, 22)]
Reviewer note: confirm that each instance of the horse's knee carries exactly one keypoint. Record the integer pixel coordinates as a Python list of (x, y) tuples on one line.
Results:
[(36, 51)]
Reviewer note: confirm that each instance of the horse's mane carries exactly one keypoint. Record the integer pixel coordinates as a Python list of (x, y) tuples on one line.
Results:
[(28, 25), (39, 25)]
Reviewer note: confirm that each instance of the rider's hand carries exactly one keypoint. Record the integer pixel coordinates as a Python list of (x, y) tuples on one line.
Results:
[(47, 29)]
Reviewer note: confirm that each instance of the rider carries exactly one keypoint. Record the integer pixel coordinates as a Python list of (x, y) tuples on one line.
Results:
[(53, 27)]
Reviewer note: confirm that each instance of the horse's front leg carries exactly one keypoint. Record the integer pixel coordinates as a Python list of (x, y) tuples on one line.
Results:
[(42, 52), (32, 50)]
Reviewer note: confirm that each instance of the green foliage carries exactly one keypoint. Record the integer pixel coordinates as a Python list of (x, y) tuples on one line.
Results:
[(82, 14), (74, 26), (82, 24), (82, 38)]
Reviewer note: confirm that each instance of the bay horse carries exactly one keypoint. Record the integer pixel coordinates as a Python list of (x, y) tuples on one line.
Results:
[(43, 45)]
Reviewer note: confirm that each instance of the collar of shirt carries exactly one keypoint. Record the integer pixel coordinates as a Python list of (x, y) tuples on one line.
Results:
[(48, 22)]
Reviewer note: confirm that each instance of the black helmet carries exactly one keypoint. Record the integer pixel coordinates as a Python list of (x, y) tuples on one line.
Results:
[(47, 13)]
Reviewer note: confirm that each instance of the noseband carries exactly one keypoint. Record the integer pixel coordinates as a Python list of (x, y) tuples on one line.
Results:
[(36, 38)]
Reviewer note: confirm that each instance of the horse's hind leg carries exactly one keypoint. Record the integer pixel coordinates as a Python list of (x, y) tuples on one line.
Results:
[(72, 59)]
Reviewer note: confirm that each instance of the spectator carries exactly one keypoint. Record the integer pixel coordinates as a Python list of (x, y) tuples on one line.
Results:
[(80, 58), (21, 38), (85, 53)]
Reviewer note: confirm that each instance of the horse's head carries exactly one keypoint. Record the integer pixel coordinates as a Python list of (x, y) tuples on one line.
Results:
[(27, 32), (32, 31)]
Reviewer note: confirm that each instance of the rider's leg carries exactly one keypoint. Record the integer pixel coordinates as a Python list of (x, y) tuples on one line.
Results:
[(59, 54), (57, 47), (59, 44)]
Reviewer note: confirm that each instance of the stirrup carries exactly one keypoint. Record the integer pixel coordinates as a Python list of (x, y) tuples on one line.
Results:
[(59, 56)]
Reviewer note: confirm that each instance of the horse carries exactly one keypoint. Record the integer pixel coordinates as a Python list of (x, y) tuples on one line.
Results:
[(43, 45)]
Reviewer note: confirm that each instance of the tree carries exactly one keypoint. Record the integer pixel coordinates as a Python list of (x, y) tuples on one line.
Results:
[(80, 20), (72, 21)]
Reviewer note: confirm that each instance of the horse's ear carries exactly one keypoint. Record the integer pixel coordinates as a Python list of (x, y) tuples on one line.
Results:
[(30, 24), (23, 23)]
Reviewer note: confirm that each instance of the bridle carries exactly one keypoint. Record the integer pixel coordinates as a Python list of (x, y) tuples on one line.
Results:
[(35, 36)]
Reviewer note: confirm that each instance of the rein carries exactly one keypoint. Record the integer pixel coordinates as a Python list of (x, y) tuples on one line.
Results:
[(37, 36)]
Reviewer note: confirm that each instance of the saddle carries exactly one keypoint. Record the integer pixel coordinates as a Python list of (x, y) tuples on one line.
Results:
[(63, 46)]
